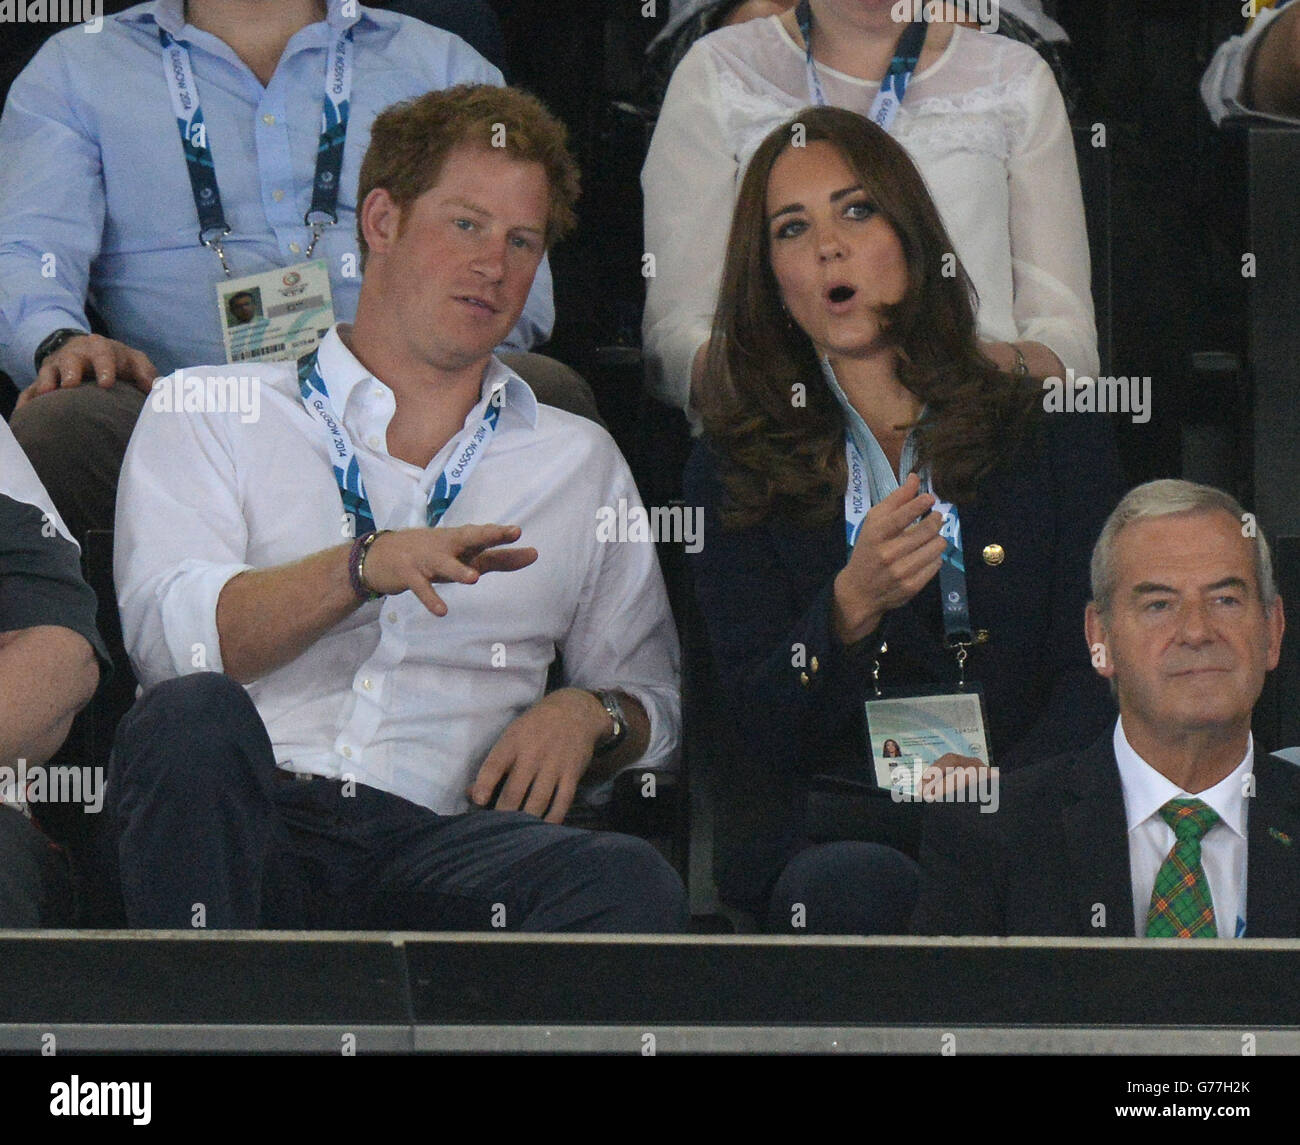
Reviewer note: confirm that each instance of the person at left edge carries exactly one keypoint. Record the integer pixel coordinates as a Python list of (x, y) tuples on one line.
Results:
[(398, 682), (95, 199), (50, 651)]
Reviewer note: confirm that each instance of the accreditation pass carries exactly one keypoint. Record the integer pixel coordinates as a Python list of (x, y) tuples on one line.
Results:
[(278, 315), (908, 731)]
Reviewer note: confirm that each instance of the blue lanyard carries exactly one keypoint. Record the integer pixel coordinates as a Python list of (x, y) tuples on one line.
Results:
[(198, 153), (890, 96), (465, 454), (952, 572)]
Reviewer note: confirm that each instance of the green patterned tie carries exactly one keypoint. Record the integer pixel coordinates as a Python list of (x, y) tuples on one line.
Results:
[(1181, 906)]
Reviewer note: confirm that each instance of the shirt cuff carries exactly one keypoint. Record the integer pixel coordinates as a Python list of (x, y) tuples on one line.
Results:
[(664, 714), (1222, 83), (188, 614), (32, 333)]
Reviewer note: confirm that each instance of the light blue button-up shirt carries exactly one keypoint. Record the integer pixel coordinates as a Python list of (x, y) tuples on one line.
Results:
[(94, 192)]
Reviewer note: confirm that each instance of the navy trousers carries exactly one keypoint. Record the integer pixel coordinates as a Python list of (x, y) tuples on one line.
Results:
[(845, 888), (211, 833)]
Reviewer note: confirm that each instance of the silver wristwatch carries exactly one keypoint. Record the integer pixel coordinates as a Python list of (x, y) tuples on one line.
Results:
[(609, 701)]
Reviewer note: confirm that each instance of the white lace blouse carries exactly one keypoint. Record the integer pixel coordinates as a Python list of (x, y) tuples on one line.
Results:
[(987, 128)]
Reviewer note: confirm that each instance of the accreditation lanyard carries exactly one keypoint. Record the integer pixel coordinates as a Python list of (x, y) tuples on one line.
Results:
[(198, 154), (906, 54), (465, 454), (952, 572)]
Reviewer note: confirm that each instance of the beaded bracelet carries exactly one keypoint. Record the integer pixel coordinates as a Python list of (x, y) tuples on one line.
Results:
[(357, 564)]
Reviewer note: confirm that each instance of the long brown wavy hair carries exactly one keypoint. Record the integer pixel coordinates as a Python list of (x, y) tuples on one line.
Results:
[(780, 459)]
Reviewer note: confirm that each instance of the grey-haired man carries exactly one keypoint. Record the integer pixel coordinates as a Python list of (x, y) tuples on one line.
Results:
[(1171, 826)]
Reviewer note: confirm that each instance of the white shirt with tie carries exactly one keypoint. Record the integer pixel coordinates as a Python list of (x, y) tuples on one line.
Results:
[(1150, 838), (393, 696)]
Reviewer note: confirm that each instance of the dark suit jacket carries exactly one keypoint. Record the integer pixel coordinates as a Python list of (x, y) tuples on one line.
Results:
[(1056, 851), (794, 695)]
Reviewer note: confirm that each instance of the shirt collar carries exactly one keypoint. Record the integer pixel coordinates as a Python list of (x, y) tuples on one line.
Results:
[(343, 372), (1146, 790), (340, 369), (519, 394), (881, 478), (170, 15)]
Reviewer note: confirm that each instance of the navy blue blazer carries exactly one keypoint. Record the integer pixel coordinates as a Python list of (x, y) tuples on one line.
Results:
[(1057, 851), (794, 695)]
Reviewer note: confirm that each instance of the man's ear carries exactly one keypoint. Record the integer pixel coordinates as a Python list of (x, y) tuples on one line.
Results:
[(381, 220), (1098, 648), (1276, 627)]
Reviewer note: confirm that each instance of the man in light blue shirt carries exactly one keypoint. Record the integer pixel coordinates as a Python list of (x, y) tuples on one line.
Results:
[(95, 199)]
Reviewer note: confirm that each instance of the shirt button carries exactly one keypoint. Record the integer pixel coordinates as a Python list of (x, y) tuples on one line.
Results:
[(378, 392), (277, 195), (347, 751), (392, 618), (268, 119), (295, 248), (372, 441), (367, 684)]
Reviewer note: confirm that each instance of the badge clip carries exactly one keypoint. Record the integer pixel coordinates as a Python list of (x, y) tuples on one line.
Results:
[(215, 244)]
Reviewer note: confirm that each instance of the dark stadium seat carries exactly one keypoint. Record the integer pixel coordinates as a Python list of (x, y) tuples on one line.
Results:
[(1276, 723)]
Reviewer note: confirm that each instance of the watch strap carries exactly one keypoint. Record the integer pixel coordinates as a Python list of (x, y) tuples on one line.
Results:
[(55, 341)]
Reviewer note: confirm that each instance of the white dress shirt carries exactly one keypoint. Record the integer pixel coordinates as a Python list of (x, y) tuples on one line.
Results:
[(985, 125), (397, 698), (1150, 838)]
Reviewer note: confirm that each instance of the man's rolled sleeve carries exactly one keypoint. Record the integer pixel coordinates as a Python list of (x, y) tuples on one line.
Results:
[(1223, 84), (40, 564), (40, 576), (180, 537), (187, 608)]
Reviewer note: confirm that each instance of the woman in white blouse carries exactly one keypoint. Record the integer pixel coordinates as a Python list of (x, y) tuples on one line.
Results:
[(983, 120)]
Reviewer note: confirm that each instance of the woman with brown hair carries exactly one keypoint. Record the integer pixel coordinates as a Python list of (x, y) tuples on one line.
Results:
[(859, 447)]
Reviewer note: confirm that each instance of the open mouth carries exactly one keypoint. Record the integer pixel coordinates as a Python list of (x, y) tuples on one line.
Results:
[(478, 303), (839, 294)]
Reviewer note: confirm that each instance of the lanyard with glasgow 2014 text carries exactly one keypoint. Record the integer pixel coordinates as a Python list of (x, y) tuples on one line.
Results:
[(464, 456), (952, 572), (885, 106), (198, 154)]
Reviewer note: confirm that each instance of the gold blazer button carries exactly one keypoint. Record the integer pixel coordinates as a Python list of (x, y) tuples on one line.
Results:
[(994, 554)]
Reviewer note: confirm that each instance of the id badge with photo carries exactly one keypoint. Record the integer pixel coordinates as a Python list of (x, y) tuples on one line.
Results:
[(278, 315), (909, 729)]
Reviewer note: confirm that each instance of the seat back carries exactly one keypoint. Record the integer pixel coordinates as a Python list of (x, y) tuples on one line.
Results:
[(1092, 151), (1276, 721)]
